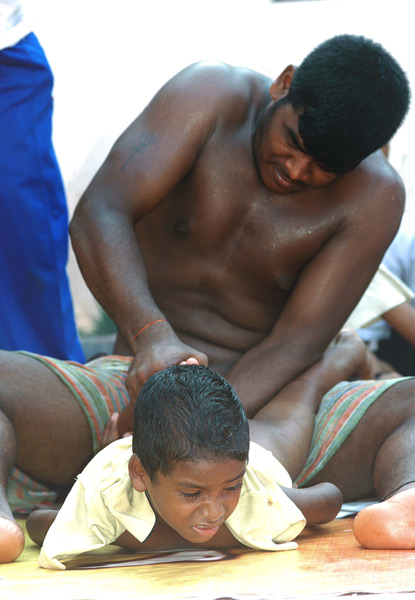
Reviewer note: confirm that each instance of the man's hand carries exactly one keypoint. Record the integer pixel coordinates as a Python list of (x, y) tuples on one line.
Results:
[(157, 355), (122, 425)]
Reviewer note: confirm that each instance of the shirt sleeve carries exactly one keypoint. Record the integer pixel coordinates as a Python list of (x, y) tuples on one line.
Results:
[(265, 517), (97, 509), (72, 532)]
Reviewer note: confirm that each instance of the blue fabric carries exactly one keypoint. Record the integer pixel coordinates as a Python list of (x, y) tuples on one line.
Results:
[(36, 311)]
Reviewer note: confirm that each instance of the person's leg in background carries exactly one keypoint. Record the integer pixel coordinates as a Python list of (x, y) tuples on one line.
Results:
[(36, 310)]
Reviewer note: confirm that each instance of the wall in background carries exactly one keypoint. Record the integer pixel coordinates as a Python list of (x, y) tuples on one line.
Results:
[(109, 58)]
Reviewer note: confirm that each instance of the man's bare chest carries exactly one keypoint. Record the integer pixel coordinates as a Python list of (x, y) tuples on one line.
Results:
[(222, 224)]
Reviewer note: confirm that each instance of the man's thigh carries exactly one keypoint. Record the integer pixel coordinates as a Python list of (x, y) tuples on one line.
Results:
[(53, 436), (351, 467)]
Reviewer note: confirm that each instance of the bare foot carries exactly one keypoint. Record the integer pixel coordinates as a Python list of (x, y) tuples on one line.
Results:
[(389, 525), (11, 540)]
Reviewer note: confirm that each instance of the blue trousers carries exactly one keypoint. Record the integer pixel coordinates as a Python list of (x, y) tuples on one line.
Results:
[(36, 311)]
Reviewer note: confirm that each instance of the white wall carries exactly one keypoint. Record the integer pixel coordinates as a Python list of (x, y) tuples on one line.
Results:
[(110, 57)]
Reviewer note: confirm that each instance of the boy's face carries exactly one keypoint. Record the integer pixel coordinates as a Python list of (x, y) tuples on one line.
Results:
[(195, 498)]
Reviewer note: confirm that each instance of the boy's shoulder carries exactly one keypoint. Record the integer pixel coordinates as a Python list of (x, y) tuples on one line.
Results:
[(109, 462), (265, 518)]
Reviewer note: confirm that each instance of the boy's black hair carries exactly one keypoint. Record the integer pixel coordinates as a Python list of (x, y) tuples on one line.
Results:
[(189, 413), (352, 96)]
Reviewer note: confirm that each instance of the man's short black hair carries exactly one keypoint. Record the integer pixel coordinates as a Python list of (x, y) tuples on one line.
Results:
[(352, 96), (189, 413)]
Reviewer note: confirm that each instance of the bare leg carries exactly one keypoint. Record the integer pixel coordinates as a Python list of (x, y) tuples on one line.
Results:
[(43, 431), (285, 425), (377, 459)]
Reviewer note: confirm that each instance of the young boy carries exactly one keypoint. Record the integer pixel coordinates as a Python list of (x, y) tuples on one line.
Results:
[(184, 480)]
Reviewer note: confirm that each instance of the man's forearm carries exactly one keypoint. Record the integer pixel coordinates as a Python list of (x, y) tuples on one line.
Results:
[(264, 371), (118, 282)]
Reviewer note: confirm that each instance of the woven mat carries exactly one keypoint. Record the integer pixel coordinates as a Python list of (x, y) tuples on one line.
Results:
[(328, 563)]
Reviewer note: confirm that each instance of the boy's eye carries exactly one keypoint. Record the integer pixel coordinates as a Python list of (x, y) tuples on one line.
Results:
[(234, 488), (191, 495)]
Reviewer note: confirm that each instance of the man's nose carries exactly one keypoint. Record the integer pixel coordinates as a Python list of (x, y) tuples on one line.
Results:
[(299, 167)]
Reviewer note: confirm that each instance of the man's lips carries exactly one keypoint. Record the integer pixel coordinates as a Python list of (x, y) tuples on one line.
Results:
[(281, 180)]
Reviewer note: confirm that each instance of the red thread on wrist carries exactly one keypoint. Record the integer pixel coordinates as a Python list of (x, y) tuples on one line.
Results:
[(145, 327)]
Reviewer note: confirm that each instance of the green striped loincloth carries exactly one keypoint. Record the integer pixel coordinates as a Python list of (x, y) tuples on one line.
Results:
[(340, 411), (99, 388)]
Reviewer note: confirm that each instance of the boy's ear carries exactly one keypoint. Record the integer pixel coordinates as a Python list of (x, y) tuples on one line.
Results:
[(138, 474), (281, 86)]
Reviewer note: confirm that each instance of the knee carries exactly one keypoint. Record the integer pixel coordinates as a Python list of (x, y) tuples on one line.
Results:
[(11, 540)]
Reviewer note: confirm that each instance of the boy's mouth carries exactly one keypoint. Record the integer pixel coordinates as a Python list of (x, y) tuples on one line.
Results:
[(206, 530)]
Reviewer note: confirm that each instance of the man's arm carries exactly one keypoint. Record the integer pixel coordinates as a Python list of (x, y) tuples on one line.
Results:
[(328, 289), (144, 166)]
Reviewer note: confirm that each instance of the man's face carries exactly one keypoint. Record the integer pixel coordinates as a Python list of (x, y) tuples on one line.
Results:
[(195, 498), (282, 162)]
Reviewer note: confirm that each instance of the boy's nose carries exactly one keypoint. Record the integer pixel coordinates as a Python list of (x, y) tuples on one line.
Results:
[(213, 511)]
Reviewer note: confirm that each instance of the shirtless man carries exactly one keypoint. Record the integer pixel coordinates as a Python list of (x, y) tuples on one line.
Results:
[(238, 220), (246, 277)]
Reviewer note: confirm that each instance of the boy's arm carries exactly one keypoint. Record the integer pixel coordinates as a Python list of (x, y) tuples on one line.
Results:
[(38, 524), (319, 503)]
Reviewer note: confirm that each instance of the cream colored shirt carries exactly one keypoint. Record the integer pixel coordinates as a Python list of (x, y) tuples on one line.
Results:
[(385, 291), (103, 504)]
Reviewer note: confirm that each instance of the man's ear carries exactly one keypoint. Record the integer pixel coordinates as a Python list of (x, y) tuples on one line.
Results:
[(281, 86), (138, 474)]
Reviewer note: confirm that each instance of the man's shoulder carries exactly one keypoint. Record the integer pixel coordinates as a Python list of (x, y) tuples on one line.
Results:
[(221, 86), (373, 199), (227, 76), (374, 183), (376, 171)]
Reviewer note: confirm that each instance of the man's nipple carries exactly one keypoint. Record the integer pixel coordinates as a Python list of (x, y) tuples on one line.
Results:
[(284, 283), (182, 227)]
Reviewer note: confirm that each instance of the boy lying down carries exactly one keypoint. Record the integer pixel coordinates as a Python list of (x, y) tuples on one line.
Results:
[(191, 478)]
